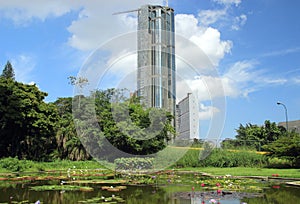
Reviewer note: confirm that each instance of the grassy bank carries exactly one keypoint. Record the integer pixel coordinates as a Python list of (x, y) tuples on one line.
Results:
[(10, 165), (246, 171), (15, 165)]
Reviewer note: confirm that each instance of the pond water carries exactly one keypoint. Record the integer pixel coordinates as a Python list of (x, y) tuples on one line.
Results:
[(11, 192)]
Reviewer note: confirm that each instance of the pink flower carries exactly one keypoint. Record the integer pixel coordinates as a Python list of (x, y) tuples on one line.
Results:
[(202, 184), (212, 200), (218, 184), (219, 191), (193, 188)]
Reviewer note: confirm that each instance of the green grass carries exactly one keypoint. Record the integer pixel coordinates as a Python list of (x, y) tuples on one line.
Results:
[(246, 171), (64, 165), (15, 165)]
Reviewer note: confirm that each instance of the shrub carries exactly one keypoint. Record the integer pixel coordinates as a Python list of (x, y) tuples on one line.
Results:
[(279, 163), (14, 164), (222, 158), (134, 163)]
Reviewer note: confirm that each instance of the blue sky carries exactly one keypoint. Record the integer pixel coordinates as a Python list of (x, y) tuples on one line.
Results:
[(254, 46)]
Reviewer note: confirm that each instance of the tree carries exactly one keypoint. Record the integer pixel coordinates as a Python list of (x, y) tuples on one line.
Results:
[(287, 147), (78, 82), (69, 145), (8, 71), (27, 123), (120, 123), (254, 136)]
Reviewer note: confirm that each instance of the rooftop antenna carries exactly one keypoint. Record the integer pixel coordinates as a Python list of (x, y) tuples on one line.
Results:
[(167, 3)]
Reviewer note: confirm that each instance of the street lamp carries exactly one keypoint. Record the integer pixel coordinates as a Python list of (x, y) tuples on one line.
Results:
[(286, 115)]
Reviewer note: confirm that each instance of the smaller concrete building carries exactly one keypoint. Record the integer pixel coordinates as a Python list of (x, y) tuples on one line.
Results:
[(292, 125), (188, 118)]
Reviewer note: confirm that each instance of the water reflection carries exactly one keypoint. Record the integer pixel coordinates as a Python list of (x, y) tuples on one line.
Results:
[(136, 194)]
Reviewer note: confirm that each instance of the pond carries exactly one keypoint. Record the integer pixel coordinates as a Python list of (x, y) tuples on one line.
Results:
[(162, 193)]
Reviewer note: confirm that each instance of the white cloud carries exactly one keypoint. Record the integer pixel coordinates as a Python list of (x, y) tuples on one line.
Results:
[(228, 2), (207, 38), (207, 112), (238, 22), (208, 17), (23, 66), (296, 80), (243, 78), (239, 81), (99, 25), (95, 23), (282, 52), (23, 11)]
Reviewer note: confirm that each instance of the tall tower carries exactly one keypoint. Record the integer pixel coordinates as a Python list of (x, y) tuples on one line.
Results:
[(156, 81)]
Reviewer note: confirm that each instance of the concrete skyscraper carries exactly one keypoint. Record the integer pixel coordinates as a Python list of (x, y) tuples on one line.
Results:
[(156, 80)]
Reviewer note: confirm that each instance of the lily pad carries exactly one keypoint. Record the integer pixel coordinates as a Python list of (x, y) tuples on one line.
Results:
[(61, 188)]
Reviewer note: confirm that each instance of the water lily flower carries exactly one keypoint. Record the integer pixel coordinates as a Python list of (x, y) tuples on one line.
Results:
[(37, 202), (193, 188), (218, 184), (212, 200), (202, 184), (219, 191)]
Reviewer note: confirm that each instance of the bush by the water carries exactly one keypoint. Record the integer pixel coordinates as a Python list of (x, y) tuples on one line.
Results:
[(222, 158), (14, 164), (134, 163)]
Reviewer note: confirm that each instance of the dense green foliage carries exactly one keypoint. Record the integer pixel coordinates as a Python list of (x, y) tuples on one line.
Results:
[(27, 123), (134, 163), (68, 143), (8, 71), (222, 158), (35, 130), (254, 136), (15, 165), (271, 138), (32, 129), (286, 147)]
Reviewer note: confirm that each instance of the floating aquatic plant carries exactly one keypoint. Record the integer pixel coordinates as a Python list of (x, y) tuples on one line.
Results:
[(61, 188)]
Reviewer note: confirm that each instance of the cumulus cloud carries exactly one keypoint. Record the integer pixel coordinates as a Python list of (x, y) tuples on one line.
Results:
[(96, 26), (207, 38), (95, 23)]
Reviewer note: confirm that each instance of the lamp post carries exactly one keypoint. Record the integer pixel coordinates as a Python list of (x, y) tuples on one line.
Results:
[(286, 115)]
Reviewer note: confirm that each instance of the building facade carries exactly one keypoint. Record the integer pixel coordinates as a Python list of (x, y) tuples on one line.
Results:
[(156, 80), (292, 125), (188, 118)]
